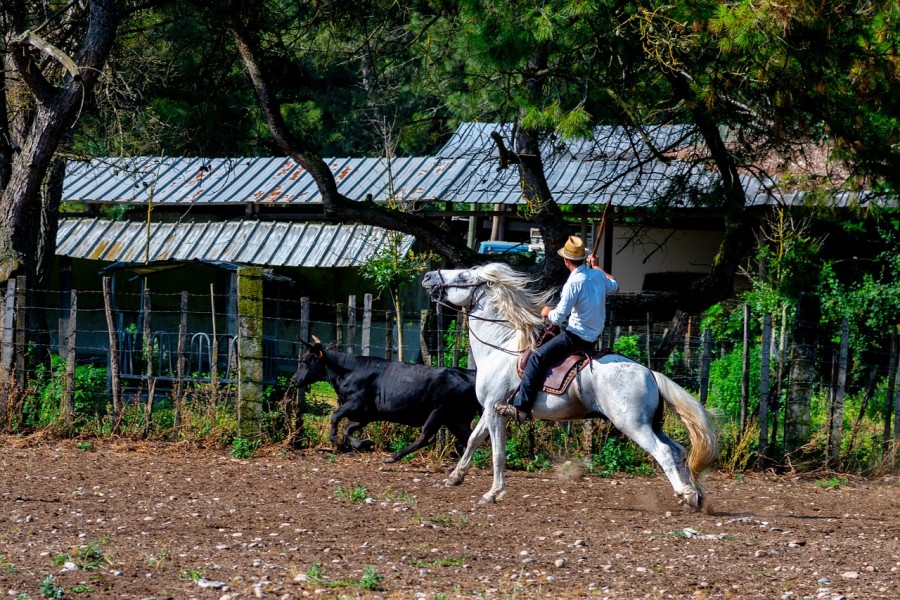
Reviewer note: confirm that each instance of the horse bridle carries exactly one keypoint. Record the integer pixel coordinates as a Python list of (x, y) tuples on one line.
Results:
[(436, 293)]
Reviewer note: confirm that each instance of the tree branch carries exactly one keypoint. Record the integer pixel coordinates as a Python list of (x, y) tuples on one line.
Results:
[(335, 204)]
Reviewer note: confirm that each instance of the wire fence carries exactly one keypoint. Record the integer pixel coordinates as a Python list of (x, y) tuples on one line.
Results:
[(168, 342)]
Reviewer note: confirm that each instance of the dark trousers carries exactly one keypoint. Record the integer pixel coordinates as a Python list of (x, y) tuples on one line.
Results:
[(547, 354)]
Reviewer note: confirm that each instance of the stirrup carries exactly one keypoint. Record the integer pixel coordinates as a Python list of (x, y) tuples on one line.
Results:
[(510, 411)]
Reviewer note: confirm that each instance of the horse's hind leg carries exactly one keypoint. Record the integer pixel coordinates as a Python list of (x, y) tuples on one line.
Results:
[(426, 436), (693, 496), (671, 462)]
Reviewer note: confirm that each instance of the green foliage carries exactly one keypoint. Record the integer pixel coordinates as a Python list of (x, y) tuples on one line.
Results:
[(356, 494), (370, 579), (449, 344), (725, 376), (44, 408), (50, 589), (832, 483), (390, 268), (243, 448), (88, 557), (630, 346), (618, 456)]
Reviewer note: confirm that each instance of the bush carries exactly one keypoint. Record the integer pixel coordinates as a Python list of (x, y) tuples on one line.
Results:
[(44, 408)]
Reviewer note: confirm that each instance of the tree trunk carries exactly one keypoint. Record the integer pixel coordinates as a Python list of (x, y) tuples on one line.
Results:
[(56, 108)]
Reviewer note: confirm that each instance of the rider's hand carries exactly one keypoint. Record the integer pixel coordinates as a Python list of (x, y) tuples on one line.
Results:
[(592, 261)]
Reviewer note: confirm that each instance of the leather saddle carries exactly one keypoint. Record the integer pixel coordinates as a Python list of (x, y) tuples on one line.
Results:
[(561, 375)]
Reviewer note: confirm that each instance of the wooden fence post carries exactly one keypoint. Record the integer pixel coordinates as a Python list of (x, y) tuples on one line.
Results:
[(439, 334), (705, 360), (21, 326), (424, 317), (339, 326), (765, 352), (367, 325), (687, 345), (837, 408), (6, 356), (181, 365), (304, 319), (745, 369), (214, 343), (457, 338), (351, 324), (388, 335), (148, 356), (70, 364), (115, 388), (893, 395)]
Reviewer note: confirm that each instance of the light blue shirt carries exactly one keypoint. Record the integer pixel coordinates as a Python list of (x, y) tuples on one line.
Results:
[(583, 302)]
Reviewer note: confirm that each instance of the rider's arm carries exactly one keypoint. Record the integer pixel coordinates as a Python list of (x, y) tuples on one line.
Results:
[(612, 286), (558, 315)]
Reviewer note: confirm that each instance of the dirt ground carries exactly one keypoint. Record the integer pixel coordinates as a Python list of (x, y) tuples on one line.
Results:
[(158, 521)]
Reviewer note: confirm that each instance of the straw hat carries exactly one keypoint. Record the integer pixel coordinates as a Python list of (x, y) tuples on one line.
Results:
[(574, 248)]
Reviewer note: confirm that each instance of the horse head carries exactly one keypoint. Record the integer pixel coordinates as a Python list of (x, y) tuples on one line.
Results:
[(311, 366), (453, 286)]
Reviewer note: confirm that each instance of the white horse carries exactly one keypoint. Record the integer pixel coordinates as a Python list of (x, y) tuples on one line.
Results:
[(503, 322)]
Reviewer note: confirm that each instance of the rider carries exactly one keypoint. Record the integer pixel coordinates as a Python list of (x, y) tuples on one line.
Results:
[(582, 303)]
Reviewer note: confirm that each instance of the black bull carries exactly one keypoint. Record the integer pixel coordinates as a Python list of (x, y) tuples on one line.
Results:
[(374, 389)]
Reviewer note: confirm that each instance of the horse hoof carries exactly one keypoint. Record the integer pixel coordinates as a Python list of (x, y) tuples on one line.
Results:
[(487, 500), (453, 479), (390, 460)]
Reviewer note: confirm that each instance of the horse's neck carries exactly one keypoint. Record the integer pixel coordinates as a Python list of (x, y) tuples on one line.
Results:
[(491, 335)]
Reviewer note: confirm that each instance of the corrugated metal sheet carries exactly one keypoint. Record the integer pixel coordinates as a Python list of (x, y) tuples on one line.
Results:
[(615, 163), (168, 180), (252, 242)]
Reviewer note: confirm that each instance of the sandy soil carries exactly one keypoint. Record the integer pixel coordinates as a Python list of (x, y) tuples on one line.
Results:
[(158, 521)]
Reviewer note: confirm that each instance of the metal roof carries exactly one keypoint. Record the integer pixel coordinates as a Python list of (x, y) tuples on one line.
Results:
[(616, 162), (251, 242), (267, 180)]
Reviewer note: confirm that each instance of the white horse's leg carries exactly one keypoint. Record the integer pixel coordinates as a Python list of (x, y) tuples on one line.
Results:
[(462, 467), (496, 426), (673, 466)]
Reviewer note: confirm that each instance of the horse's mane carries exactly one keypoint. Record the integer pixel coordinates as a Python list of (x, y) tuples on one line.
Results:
[(512, 294)]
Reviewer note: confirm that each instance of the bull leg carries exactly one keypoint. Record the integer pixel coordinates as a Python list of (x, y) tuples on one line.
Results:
[(336, 417), (426, 436), (461, 430), (360, 445)]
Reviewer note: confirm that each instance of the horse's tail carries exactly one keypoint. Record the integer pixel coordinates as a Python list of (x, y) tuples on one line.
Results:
[(699, 423)]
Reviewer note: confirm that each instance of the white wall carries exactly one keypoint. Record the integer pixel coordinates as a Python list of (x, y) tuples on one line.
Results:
[(683, 251)]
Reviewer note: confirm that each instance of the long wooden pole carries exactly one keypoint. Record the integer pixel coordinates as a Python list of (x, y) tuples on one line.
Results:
[(601, 229)]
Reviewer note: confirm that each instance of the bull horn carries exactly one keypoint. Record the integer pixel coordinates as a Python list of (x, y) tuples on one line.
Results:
[(317, 340), (305, 343)]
